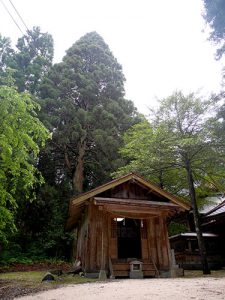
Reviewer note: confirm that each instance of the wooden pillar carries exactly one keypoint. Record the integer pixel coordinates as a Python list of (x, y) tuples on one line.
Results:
[(158, 235), (102, 273), (151, 234), (144, 240), (112, 237), (168, 242), (166, 255)]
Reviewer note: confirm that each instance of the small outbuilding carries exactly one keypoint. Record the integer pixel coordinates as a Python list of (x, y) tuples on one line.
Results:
[(121, 227), (186, 250), (213, 221)]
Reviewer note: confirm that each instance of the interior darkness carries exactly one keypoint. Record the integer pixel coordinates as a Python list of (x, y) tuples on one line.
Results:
[(129, 238)]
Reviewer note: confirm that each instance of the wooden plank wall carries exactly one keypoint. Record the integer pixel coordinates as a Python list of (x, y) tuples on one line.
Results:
[(158, 242), (129, 190), (97, 241), (82, 239)]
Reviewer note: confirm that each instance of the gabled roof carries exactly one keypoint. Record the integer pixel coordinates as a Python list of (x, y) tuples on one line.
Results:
[(75, 201)]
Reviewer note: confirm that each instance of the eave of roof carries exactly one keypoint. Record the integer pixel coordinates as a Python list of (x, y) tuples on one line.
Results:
[(133, 202), (83, 197), (219, 209), (193, 234)]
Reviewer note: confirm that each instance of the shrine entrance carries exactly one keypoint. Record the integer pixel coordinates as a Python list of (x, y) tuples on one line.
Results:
[(128, 238)]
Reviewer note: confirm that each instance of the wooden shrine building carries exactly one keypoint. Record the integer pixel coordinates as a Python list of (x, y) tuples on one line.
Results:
[(122, 222)]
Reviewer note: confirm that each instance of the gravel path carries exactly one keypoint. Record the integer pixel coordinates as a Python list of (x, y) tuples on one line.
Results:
[(157, 289)]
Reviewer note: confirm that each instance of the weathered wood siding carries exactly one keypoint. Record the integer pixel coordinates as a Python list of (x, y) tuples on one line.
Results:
[(158, 242), (82, 239), (129, 190), (97, 240)]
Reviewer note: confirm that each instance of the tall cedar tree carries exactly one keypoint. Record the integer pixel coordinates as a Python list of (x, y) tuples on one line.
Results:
[(85, 109)]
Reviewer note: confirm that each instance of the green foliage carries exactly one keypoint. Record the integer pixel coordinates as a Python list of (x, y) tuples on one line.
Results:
[(6, 52), (145, 149), (47, 237), (189, 124), (176, 228), (21, 136), (30, 61), (13, 254), (84, 106), (182, 128)]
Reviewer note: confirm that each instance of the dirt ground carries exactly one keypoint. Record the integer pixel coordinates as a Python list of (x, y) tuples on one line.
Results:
[(204, 288)]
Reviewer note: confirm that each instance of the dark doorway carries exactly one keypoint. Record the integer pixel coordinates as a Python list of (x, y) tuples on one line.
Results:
[(129, 238)]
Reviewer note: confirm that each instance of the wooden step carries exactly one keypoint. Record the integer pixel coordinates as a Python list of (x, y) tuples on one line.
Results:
[(149, 266), (118, 273), (150, 273), (121, 268)]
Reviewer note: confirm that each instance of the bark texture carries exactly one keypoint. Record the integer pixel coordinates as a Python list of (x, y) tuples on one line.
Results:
[(201, 242)]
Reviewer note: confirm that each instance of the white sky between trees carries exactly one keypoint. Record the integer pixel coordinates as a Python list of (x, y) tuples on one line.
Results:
[(161, 44)]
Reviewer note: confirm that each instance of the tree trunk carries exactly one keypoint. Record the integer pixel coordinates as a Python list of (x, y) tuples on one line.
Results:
[(201, 242), (161, 185), (78, 175)]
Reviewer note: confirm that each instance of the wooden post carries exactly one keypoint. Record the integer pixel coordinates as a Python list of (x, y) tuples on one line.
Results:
[(102, 273)]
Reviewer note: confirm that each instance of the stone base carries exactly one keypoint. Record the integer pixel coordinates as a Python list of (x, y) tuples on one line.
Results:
[(91, 275), (164, 274), (177, 272), (136, 274)]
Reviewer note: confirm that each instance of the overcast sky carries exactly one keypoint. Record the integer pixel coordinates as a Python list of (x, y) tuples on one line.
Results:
[(161, 44)]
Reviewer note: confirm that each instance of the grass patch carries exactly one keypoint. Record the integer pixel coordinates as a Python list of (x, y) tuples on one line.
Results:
[(35, 277), (14, 284)]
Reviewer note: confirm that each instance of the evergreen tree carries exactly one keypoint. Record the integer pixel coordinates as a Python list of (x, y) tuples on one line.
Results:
[(85, 109), (31, 60), (6, 52)]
